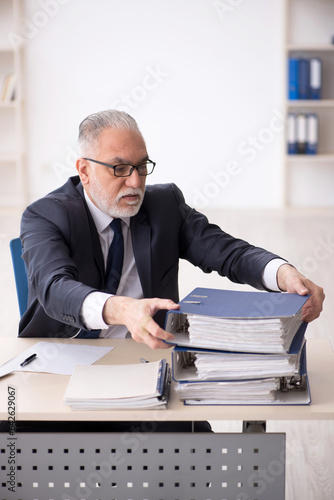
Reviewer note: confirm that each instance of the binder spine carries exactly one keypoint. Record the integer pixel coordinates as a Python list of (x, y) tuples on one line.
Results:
[(301, 133), (315, 77), (292, 133), (161, 375), (312, 134), (297, 382), (293, 79), (303, 78)]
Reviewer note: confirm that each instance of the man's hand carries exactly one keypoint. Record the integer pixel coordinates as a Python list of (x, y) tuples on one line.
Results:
[(136, 315), (292, 281)]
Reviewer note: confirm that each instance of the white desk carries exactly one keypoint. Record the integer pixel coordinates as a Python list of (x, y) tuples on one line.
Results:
[(40, 395), (166, 466)]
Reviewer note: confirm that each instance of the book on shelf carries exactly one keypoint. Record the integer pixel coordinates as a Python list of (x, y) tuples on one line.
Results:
[(238, 321), (315, 78), (293, 78), (292, 133), (304, 78), (119, 387), (312, 127), (302, 133), (7, 93)]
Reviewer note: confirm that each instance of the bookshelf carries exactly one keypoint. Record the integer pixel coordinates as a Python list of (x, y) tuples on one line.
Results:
[(309, 32), (13, 185)]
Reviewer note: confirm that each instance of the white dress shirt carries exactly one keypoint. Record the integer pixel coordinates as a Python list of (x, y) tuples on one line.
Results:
[(130, 286)]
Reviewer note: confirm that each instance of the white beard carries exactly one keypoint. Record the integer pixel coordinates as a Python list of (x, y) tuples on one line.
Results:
[(111, 207)]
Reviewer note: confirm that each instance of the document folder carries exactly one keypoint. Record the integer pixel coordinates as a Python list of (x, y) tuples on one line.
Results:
[(118, 387), (292, 390), (186, 363), (239, 348), (237, 321)]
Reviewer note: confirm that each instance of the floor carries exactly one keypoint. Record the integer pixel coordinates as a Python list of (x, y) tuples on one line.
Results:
[(306, 239)]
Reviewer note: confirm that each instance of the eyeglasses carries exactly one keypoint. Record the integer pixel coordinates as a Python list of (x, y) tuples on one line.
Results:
[(122, 170)]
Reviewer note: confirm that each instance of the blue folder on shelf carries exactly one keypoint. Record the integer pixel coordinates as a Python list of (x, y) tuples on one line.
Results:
[(292, 134), (312, 134), (315, 78), (293, 85), (304, 79)]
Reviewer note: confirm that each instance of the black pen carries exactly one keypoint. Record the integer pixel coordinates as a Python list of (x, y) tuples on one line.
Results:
[(28, 360)]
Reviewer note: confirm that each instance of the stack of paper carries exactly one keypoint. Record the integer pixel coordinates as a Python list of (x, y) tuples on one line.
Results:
[(235, 366), (261, 391), (247, 335), (119, 387), (239, 388), (239, 348), (200, 364), (229, 320)]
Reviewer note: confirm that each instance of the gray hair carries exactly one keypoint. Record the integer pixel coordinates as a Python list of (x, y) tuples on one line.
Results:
[(91, 127)]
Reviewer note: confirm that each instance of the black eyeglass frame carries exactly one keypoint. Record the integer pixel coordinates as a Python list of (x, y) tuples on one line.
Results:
[(122, 165)]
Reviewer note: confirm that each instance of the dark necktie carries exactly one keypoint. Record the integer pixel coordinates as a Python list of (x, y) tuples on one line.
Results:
[(113, 271), (115, 258)]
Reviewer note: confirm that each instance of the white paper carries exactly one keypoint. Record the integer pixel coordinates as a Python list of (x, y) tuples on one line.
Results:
[(273, 335), (53, 357), (223, 366), (254, 391), (105, 387), (114, 382)]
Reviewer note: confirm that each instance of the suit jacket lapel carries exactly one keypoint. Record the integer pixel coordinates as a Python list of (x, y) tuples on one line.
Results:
[(94, 241), (141, 242)]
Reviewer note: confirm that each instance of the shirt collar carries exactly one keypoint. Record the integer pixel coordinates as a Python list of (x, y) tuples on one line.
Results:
[(101, 219)]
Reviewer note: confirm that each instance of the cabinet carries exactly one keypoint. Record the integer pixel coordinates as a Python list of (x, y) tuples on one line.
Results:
[(13, 184), (309, 32)]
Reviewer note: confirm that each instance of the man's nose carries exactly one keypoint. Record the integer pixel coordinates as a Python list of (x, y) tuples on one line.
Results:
[(134, 180)]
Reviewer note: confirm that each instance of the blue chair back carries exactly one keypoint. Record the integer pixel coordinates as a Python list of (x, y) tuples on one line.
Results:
[(21, 279)]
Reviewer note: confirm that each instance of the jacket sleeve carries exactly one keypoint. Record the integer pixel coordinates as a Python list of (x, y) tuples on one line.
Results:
[(49, 250)]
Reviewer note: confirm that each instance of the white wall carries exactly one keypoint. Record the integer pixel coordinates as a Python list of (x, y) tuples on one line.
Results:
[(203, 78)]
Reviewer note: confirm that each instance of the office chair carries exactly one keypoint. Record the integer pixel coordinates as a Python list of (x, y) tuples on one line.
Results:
[(20, 274)]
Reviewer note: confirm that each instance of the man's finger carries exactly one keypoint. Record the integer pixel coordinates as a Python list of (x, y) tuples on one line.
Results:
[(152, 334), (166, 304), (143, 324), (155, 343), (302, 290)]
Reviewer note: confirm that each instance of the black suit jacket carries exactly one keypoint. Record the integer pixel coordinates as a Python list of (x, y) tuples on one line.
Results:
[(64, 259)]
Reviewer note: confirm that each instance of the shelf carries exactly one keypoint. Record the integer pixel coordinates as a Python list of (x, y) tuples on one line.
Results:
[(323, 158), (8, 157), (6, 48), (12, 147), (310, 103), (308, 32), (10, 104), (311, 48)]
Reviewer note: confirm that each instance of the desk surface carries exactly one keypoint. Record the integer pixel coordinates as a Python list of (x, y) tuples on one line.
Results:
[(39, 396)]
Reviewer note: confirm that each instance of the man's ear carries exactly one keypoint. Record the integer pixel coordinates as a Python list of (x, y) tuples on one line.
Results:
[(83, 169)]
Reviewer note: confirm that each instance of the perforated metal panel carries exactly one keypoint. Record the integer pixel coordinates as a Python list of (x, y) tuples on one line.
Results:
[(142, 466)]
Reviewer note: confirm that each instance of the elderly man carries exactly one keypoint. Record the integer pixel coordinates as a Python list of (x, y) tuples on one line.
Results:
[(102, 251)]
